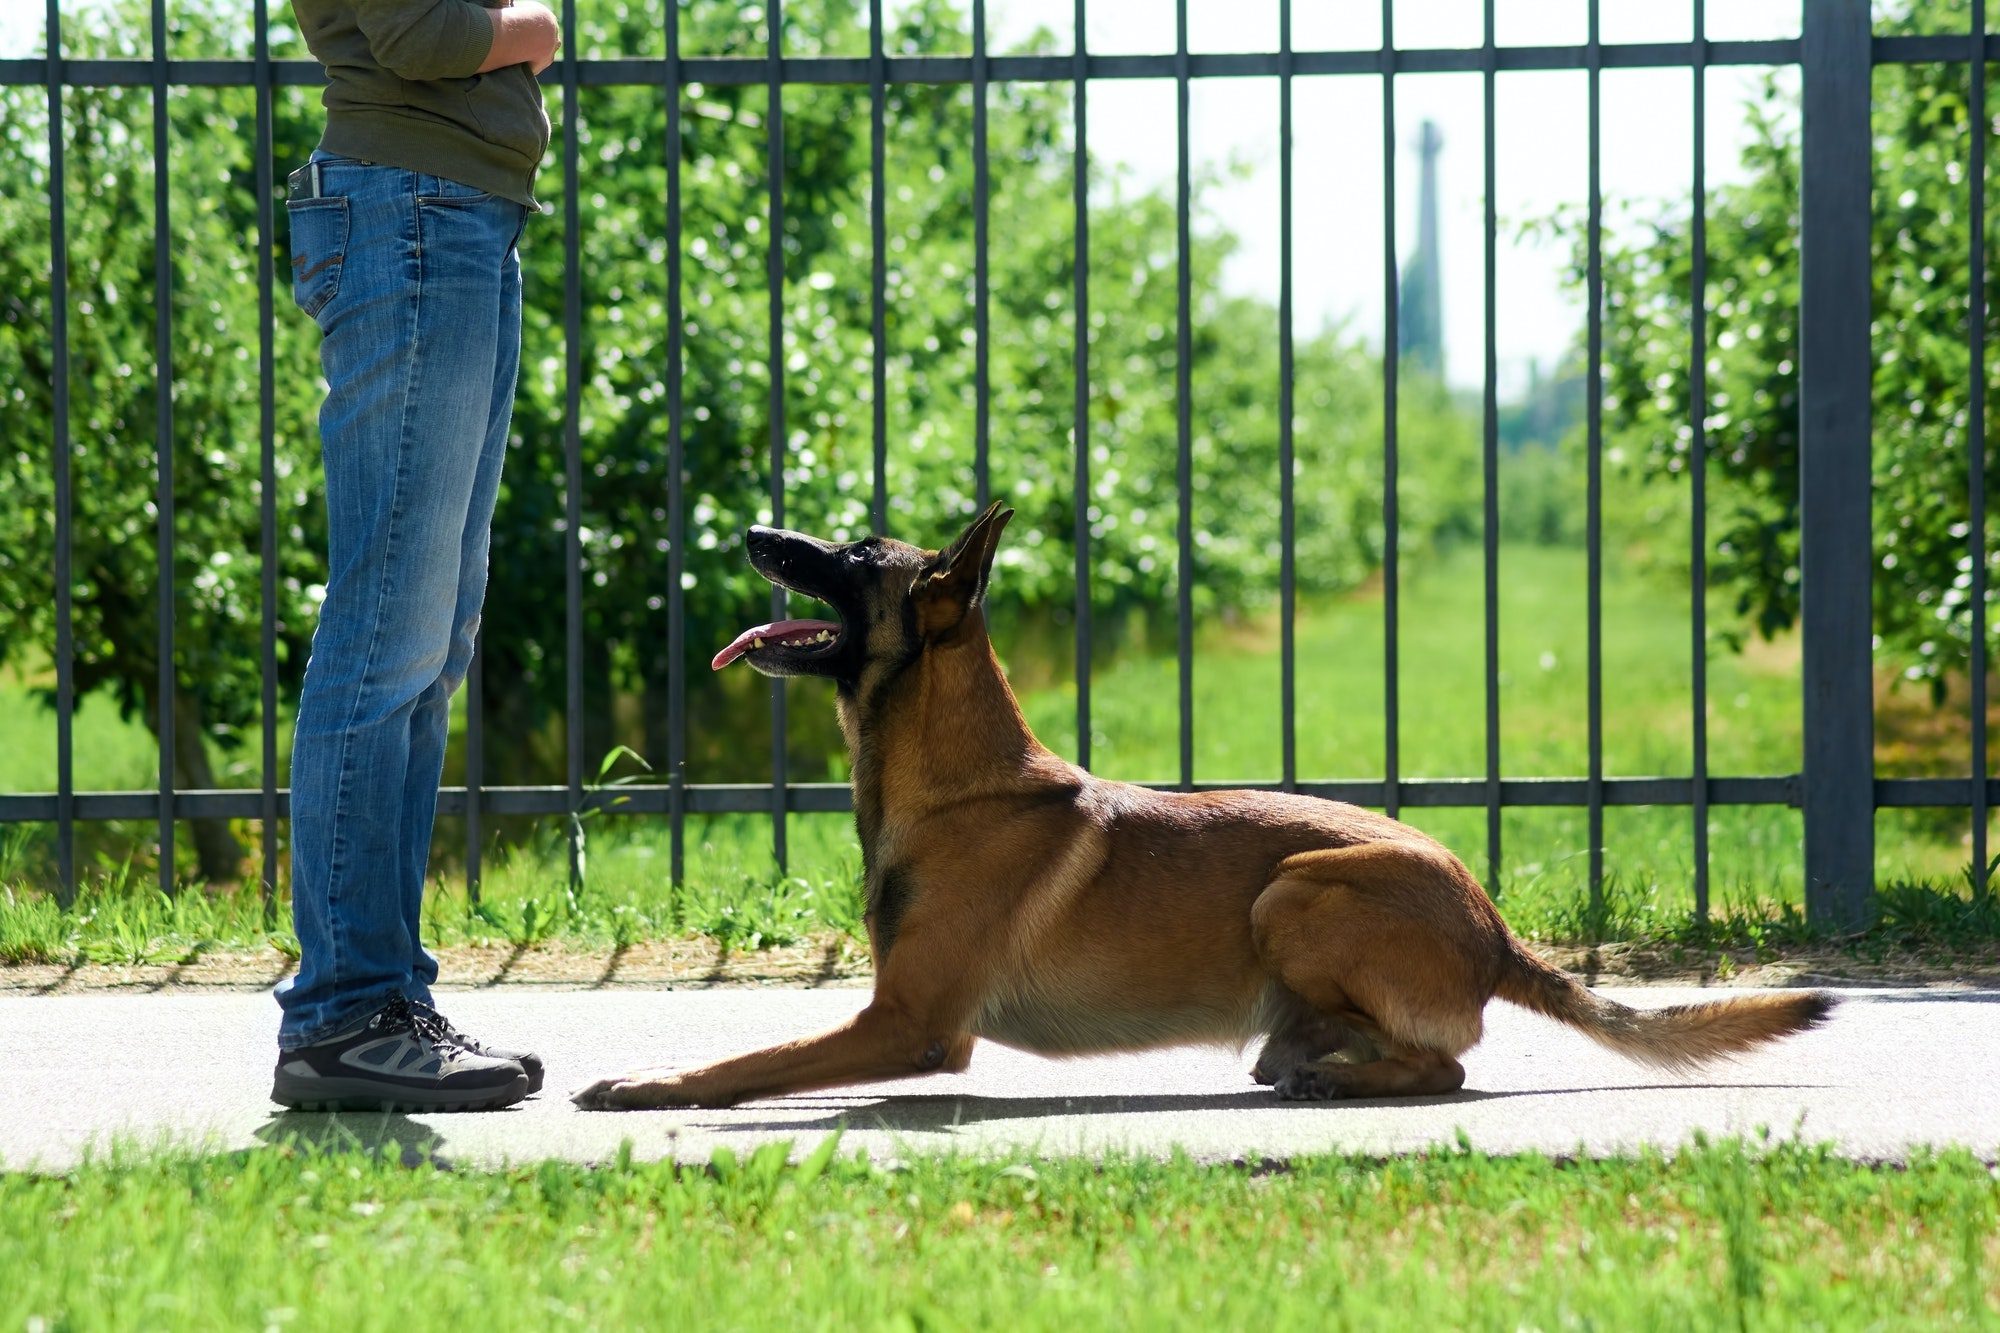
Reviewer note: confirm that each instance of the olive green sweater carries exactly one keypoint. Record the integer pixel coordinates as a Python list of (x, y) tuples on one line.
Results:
[(404, 89)]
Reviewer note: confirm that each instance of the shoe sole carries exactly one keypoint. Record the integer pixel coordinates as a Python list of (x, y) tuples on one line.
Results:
[(359, 1094)]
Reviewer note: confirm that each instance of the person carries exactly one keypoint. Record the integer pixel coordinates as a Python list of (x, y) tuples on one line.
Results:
[(404, 228)]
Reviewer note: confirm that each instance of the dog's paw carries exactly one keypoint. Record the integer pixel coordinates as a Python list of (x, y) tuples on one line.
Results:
[(640, 1090), (1307, 1083)]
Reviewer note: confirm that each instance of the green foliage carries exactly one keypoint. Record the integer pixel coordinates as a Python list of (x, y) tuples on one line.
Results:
[(114, 396), (1922, 361)]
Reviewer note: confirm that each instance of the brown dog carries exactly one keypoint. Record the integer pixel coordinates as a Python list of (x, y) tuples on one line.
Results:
[(1013, 896)]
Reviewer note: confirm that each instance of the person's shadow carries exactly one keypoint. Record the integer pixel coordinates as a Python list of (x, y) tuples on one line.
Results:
[(387, 1133)]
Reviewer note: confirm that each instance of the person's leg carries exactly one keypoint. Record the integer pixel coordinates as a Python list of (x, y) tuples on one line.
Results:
[(430, 721), (410, 344)]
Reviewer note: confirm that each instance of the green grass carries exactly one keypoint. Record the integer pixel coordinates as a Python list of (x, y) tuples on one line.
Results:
[(730, 894), (112, 753), (735, 892), (1723, 1236)]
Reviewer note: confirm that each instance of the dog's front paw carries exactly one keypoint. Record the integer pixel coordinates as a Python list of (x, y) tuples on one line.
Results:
[(640, 1090)]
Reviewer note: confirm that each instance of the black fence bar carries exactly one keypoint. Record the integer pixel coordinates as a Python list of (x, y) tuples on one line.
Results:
[(572, 449), (1080, 188), (745, 71), (267, 463), (878, 225), (1976, 435), (982, 189), (163, 437), (1287, 518), (1392, 713), (1698, 463), (1593, 504), (1835, 555), (1929, 793), (1490, 468), (677, 664), (1184, 398), (774, 125), (475, 762), (59, 455), (1932, 48), (827, 797)]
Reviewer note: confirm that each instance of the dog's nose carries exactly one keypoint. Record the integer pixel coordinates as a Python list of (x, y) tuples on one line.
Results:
[(759, 530)]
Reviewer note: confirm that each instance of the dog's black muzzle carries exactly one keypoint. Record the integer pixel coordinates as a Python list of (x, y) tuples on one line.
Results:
[(800, 564)]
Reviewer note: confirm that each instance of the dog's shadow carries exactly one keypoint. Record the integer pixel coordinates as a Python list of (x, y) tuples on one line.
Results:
[(943, 1112)]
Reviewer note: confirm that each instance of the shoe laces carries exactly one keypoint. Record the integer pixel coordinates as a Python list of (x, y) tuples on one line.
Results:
[(426, 1022), (437, 1029)]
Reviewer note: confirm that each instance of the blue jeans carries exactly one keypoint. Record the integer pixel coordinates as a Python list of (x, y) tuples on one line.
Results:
[(415, 284)]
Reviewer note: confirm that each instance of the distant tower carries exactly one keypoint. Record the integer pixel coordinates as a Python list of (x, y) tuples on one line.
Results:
[(1419, 327)]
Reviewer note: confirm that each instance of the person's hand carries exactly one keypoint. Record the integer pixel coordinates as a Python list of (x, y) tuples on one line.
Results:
[(524, 33)]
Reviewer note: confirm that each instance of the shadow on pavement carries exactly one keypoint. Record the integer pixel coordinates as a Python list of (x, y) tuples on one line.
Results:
[(1925, 997), (936, 1112), (385, 1132)]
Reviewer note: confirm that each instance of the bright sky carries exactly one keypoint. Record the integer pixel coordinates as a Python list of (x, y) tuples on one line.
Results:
[(1540, 153)]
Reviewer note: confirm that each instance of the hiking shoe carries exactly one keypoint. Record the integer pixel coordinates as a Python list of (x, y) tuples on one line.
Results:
[(531, 1064), (395, 1061)]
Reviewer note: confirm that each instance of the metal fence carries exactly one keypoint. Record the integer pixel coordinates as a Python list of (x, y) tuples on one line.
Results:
[(1837, 788)]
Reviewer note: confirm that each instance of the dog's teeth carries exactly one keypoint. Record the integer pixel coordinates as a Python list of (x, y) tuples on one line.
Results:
[(756, 643)]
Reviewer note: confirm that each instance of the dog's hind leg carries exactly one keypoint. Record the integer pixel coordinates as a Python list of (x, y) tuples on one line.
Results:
[(1302, 1035), (1375, 939)]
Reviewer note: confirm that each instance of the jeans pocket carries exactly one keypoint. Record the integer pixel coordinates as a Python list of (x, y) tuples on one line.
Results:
[(319, 250), (438, 190)]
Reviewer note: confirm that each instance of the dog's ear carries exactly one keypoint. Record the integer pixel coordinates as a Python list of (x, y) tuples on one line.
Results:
[(953, 582)]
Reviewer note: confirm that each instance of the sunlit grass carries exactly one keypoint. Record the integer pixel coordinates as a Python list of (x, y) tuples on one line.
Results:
[(1723, 1235)]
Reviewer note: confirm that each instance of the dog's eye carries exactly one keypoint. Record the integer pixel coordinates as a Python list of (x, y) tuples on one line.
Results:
[(856, 555)]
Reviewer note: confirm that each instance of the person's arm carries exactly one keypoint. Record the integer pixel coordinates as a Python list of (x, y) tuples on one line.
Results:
[(524, 33), (422, 40)]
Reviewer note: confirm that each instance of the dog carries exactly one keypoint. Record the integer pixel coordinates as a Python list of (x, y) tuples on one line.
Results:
[(1014, 897)]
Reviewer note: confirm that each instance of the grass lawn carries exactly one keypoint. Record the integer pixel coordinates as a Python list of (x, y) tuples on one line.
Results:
[(1723, 1236), (735, 892)]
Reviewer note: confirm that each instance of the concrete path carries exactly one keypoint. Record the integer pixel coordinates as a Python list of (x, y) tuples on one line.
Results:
[(1893, 1070)]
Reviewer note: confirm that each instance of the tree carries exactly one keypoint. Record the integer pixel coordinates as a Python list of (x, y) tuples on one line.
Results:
[(1922, 372)]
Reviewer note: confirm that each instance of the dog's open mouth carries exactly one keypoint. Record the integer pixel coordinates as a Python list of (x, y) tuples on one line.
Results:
[(802, 636)]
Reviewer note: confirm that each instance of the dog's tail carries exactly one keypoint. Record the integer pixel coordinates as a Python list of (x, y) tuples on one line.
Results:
[(1678, 1037)]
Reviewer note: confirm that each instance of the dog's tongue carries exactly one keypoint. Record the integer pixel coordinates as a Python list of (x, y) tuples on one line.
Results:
[(782, 631)]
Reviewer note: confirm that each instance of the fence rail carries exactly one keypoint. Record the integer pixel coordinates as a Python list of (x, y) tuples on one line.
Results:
[(1835, 53)]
